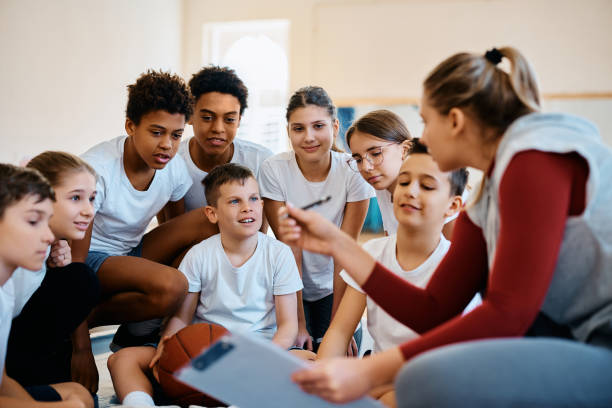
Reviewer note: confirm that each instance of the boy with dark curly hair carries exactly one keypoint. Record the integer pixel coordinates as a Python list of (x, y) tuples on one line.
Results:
[(138, 175), (220, 100)]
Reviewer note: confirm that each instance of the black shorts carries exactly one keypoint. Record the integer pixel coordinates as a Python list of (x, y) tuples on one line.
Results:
[(43, 393)]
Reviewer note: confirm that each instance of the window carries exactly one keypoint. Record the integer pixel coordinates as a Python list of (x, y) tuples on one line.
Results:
[(257, 50)]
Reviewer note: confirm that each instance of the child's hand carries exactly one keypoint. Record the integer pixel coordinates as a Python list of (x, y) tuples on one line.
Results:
[(60, 254), (83, 369), (157, 356), (303, 339)]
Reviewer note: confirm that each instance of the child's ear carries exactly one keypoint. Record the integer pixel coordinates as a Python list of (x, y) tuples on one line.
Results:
[(211, 213), (455, 205), (130, 127), (405, 148)]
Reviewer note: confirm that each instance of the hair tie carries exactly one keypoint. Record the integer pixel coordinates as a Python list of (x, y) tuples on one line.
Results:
[(494, 56)]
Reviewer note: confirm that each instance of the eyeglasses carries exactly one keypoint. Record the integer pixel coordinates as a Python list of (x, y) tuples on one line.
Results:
[(373, 156)]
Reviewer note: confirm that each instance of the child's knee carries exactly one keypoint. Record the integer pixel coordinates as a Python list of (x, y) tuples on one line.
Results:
[(170, 292), (120, 358), (74, 390)]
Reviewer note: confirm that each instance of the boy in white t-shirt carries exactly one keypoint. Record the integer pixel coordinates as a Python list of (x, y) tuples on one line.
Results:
[(423, 198), (138, 175), (220, 100), (240, 279), (25, 208)]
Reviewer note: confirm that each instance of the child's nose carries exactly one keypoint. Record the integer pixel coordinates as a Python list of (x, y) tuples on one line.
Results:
[(87, 209), (166, 142), (366, 165), (48, 237), (308, 134), (218, 125)]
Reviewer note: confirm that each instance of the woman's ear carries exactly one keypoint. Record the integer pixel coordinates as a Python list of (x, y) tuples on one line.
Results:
[(456, 118)]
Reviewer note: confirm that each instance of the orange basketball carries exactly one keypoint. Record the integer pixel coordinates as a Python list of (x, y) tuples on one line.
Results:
[(179, 349)]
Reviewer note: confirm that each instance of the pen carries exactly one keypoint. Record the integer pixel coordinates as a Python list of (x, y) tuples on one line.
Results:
[(318, 202)]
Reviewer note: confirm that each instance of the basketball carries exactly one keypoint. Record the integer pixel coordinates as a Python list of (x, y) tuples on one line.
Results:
[(179, 349)]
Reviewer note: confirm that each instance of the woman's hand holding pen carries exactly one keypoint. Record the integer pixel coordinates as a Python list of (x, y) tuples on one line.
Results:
[(307, 230)]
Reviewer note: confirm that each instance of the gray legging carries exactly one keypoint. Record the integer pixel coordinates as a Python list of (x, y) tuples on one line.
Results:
[(522, 372)]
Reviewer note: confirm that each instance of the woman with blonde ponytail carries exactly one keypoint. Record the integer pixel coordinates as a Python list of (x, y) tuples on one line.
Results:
[(537, 244)]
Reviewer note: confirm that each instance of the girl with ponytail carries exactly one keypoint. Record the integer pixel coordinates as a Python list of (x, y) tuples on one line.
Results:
[(537, 243)]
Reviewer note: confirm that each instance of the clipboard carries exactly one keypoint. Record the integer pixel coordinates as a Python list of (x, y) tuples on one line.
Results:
[(247, 371)]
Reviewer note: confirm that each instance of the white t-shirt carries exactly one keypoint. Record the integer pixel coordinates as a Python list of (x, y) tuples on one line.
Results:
[(384, 329), (7, 301), (383, 197), (280, 179), (246, 153), (240, 299), (122, 212)]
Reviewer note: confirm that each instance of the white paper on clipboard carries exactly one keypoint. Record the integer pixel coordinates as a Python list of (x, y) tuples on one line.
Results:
[(247, 371)]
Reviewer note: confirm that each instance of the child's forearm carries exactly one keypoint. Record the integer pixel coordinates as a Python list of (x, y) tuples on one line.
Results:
[(339, 288), (184, 315), (80, 248), (175, 324), (334, 344), (285, 337)]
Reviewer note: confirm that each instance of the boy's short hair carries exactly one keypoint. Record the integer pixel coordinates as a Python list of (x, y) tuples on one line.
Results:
[(458, 178), (220, 175), (158, 90), (219, 79), (19, 182)]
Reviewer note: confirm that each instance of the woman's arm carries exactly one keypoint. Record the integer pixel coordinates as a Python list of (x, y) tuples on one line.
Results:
[(548, 186), (286, 320), (343, 324), (536, 195), (352, 222)]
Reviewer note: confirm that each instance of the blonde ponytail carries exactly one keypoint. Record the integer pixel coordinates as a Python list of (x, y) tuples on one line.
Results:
[(522, 78), (476, 83)]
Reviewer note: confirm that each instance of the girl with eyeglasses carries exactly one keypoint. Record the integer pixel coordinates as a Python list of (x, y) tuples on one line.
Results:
[(312, 170), (379, 142)]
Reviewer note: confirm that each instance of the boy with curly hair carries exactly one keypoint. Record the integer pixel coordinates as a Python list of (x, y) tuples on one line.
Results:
[(138, 175), (220, 100)]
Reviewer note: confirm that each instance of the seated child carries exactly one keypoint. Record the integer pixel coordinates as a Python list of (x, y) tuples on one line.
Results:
[(240, 279), (423, 198), (45, 345), (26, 204), (220, 100), (138, 175)]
